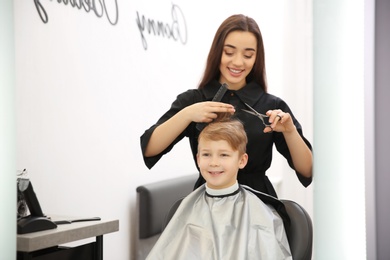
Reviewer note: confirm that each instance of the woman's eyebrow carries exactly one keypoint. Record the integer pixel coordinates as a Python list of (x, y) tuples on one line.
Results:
[(234, 47), (230, 46)]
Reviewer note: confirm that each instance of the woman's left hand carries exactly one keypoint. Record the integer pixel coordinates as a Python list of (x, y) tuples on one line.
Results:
[(280, 121)]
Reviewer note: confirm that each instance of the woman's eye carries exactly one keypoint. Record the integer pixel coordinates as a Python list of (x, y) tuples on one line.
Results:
[(205, 154), (248, 56)]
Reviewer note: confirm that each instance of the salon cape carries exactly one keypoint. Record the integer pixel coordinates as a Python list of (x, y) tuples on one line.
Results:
[(237, 225)]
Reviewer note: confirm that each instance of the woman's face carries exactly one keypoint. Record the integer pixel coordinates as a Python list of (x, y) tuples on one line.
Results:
[(238, 58)]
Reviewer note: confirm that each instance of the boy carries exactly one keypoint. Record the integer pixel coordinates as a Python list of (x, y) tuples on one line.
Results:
[(222, 219)]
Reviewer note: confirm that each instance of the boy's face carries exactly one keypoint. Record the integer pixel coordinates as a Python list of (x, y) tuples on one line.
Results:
[(219, 163)]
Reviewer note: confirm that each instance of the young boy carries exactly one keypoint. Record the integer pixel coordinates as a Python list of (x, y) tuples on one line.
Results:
[(222, 219)]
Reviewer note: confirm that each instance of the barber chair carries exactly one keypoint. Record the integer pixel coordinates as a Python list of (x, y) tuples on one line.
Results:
[(157, 203)]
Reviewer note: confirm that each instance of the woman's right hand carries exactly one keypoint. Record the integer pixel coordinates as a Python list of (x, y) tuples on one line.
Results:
[(165, 134), (205, 112)]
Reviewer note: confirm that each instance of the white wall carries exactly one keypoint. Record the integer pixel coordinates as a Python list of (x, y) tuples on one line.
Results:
[(87, 89), (369, 130), (7, 133), (340, 125)]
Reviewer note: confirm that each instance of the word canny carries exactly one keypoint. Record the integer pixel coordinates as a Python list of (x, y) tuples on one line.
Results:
[(177, 30), (97, 6)]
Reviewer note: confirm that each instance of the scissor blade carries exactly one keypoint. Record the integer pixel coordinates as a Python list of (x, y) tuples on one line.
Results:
[(250, 112), (254, 112)]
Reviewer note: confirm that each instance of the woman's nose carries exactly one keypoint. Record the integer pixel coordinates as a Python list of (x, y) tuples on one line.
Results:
[(238, 60)]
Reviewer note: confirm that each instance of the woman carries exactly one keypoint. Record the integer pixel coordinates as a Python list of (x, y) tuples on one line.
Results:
[(236, 58)]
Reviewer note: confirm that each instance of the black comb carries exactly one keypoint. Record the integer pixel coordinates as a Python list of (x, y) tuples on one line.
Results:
[(217, 98)]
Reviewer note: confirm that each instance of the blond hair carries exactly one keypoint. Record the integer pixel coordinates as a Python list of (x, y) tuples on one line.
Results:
[(227, 129)]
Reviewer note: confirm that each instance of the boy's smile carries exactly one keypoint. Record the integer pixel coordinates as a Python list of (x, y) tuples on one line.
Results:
[(219, 163)]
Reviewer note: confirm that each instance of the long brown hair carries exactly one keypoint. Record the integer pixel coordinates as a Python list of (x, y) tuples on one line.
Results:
[(236, 22)]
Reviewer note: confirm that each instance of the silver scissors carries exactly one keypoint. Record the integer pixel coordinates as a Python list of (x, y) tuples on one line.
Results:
[(262, 117)]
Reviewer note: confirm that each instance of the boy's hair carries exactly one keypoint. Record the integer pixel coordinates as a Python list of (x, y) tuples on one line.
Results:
[(228, 129)]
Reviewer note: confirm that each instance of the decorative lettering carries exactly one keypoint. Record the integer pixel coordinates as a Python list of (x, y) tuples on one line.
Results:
[(97, 6), (177, 29)]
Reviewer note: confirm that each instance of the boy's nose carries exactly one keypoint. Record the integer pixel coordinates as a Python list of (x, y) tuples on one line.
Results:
[(214, 162)]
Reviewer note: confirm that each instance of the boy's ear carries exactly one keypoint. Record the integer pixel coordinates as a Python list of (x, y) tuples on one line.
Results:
[(243, 161)]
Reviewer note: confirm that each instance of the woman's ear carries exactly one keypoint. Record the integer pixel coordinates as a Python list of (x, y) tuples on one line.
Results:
[(243, 161)]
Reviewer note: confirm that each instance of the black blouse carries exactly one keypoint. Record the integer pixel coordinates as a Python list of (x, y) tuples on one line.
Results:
[(260, 144)]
